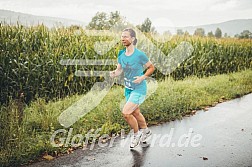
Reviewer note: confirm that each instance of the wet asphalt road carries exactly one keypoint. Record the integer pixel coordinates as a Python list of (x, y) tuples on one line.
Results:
[(221, 136)]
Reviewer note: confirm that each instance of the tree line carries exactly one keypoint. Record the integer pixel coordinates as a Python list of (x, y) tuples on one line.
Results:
[(104, 21)]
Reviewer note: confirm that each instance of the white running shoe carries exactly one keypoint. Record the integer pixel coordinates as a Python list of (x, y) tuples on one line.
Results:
[(145, 135), (136, 140)]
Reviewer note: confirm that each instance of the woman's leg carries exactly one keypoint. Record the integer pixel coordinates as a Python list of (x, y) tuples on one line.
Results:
[(140, 118), (146, 133), (128, 109)]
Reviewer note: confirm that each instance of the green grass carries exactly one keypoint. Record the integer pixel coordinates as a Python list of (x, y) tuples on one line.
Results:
[(172, 100)]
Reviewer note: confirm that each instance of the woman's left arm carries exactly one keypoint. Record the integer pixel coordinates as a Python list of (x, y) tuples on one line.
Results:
[(150, 69)]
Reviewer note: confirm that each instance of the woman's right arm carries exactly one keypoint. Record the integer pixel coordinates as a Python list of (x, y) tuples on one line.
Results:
[(116, 72)]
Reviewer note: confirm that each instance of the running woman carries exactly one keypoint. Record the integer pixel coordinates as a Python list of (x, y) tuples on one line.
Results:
[(131, 61)]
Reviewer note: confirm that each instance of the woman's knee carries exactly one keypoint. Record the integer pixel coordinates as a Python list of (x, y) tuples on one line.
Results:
[(126, 116)]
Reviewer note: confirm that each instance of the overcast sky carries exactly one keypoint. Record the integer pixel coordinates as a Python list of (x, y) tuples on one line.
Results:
[(176, 13)]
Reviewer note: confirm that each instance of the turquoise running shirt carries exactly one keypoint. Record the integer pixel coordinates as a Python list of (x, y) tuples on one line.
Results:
[(133, 66)]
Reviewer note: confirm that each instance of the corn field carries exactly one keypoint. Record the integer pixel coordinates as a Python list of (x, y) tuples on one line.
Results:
[(30, 60)]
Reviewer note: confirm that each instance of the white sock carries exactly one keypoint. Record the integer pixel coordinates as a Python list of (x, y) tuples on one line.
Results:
[(137, 133), (145, 130)]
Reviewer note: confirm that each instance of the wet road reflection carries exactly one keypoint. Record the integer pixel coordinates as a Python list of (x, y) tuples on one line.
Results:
[(139, 156)]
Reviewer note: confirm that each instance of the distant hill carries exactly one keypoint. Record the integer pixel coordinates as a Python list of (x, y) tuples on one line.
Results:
[(231, 27), (10, 17)]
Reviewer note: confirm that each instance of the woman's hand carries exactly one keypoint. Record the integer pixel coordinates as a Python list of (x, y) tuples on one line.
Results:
[(116, 72), (112, 74), (139, 79)]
